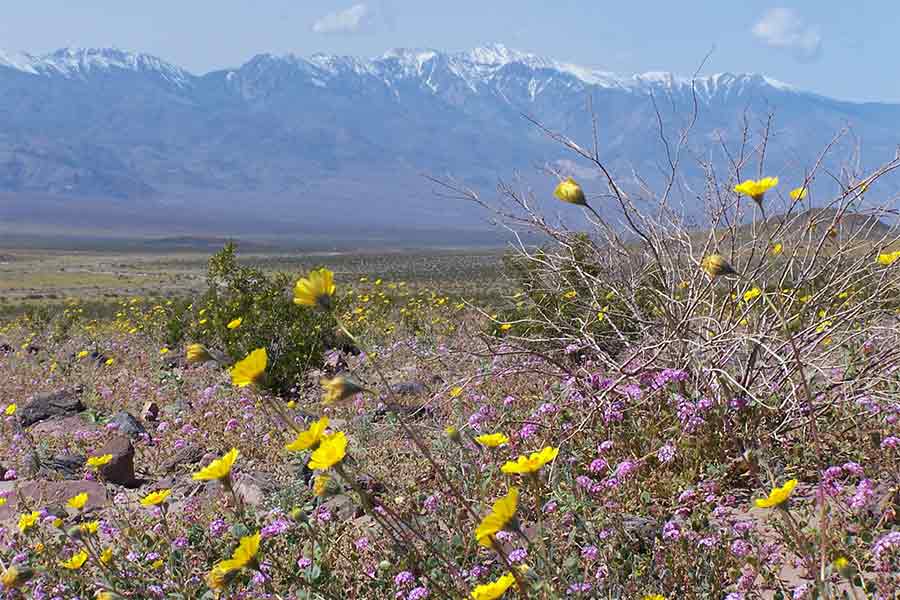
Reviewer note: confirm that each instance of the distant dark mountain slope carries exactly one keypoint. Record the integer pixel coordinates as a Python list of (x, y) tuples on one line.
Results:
[(330, 141)]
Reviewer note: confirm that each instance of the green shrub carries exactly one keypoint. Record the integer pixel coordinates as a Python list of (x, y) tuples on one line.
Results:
[(295, 337)]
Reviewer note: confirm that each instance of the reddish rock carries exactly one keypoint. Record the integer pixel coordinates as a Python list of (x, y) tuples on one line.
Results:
[(119, 470), (56, 428), (42, 494)]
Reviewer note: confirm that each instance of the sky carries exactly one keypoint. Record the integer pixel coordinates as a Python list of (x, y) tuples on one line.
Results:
[(842, 49)]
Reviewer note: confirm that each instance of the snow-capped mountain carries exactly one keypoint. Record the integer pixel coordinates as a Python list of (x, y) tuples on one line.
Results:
[(302, 135)]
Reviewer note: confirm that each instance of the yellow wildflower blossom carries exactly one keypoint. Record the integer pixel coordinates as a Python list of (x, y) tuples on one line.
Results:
[(503, 512), (77, 502), (330, 452), (494, 589), (251, 369), (492, 440), (76, 561), (569, 191), (155, 498), (531, 463), (315, 290), (218, 469), (777, 496), (310, 437)]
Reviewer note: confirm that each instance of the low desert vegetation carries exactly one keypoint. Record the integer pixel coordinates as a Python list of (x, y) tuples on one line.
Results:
[(649, 411)]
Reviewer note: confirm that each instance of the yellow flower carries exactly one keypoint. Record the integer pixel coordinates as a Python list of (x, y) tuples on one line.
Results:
[(106, 556), (11, 409), (715, 265), (155, 498), (338, 389), (799, 193), (245, 553), (90, 527), (315, 290), (95, 462), (777, 496), (452, 433), (15, 577), (320, 484), (777, 248), (841, 563), (756, 188), (494, 589), (219, 468), (83, 353), (888, 258), (220, 575), (502, 514), (197, 353), (163, 351), (77, 502), (492, 440), (505, 326), (308, 438), (291, 404), (156, 564), (2, 500), (752, 294), (75, 561), (569, 191), (330, 452), (110, 362), (654, 597), (235, 323), (250, 370), (455, 392), (105, 595), (570, 294), (531, 463)]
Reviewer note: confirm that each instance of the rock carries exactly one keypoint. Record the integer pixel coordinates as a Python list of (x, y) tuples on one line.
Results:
[(342, 507), (405, 412), (150, 412), (64, 426), (369, 484), (119, 470), (410, 388), (46, 406), (127, 424), (41, 493), (69, 466), (252, 491), (188, 456)]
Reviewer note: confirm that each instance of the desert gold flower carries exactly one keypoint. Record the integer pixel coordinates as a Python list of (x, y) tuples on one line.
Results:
[(157, 564), (841, 562), (531, 463), (83, 353), (799, 193), (77, 502), (89, 528), (888, 258), (505, 326), (310, 437), (777, 248), (452, 433), (110, 362), (245, 554), (492, 440), (218, 469), (235, 323), (315, 290), (752, 294), (76, 561), (155, 498), (27, 521), (715, 265), (250, 370), (756, 188), (10, 409), (220, 575), (654, 597), (338, 389), (569, 191), (456, 391), (95, 462), (503, 512), (2, 500), (330, 452), (106, 556), (320, 485), (494, 589), (163, 351), (15, 577), (777, 496), (197, 353), (106, 595)]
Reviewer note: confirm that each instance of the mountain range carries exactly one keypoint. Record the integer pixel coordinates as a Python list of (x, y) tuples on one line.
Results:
[(111, 141)]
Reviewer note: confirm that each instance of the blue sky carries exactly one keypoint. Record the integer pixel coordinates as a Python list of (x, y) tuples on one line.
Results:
[(841, 49)]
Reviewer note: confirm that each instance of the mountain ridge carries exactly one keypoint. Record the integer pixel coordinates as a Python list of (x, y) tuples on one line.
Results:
[(305, 139)]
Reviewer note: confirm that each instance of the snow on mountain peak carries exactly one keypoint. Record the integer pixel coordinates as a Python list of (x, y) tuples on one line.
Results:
[(79, 62)]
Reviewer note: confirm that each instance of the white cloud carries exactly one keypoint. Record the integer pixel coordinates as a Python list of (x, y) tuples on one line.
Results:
[(784, 28), (350, 20)]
